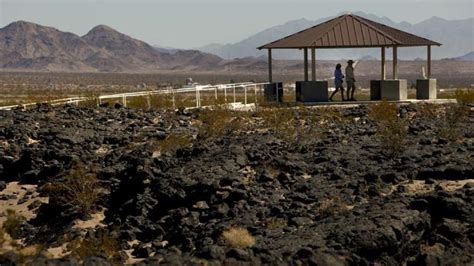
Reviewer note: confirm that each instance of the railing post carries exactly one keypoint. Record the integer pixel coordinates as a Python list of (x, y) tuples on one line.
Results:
[(225, 93), (197, 98), (148, 101), (255, 90), (124, 101), (174, 100), (245, 93), (234, 92)]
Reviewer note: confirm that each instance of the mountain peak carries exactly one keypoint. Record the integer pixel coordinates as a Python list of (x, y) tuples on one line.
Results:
[(101, 29), (21, 24)]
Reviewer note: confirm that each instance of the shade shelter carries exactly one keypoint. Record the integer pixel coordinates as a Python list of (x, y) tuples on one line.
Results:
[(351, 31)]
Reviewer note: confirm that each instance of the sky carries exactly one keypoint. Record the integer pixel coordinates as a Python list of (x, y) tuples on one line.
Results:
[(195, 23)]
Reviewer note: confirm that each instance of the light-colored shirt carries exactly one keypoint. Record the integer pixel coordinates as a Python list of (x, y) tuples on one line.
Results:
[(350, 73)]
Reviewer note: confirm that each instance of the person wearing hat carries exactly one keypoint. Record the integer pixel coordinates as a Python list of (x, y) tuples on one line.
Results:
[(350, 81)]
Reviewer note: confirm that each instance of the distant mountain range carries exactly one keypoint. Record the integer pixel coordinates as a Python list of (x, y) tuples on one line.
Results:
[(32, 47), (29, 46), (466, 57), (457, 37)]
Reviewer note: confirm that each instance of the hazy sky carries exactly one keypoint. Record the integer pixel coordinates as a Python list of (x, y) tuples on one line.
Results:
[(189, 24)]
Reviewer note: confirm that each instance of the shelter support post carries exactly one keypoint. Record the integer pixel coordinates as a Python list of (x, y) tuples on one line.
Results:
[(305, 64), (383, 75), (270, 66), (428, 61), (395, 67), (313, 64)]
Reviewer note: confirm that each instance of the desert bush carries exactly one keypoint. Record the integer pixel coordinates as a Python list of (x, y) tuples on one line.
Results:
[(332, 206), (274, 223), (391, 129), (281, 121), (454, 115), (91, 100), (139, 102), (162, 101), (100, 244), (238, 237), (173, 142), (383, 111), (13, 222), (80, 188), (219, 121), (464, 97), (428, 110), (293, 125)]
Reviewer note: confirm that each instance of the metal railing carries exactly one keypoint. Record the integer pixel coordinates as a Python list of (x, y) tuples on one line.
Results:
[(254, 88)]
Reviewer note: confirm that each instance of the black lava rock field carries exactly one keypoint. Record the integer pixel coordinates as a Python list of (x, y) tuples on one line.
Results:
[(378, 184)]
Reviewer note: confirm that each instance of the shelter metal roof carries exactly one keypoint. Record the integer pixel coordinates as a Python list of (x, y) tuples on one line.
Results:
[(348, 31)]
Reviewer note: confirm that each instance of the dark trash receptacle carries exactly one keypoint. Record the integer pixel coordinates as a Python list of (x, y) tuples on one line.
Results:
[(375, 93), (270, 92)]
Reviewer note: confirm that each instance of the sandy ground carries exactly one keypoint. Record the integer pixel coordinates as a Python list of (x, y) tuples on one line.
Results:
[(17, 192)]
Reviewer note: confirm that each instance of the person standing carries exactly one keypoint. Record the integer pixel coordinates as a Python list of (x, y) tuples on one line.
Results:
[(338, 82), (350, 80)]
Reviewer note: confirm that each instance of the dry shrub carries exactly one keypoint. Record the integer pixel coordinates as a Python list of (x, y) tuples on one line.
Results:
[(282, 121), (102, 244), (173, 142), (274, 223), (91, 101), (238, 237), (13, 222), (383, 111), (454, 115), (332, 206), (464, 97), (428, 110), (295, 126), (184, 100), (391, 129), (81, 189), (219, 121), (139, 102), (161, 101)]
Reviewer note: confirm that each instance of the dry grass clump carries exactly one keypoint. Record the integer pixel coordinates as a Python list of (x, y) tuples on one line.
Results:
[(161, 101), (281, 121), (274, 223), (391, 129), (172, 143), (219, 121), (80, 188), (13, 222), (293, 125), (332, 206), (139, 102), (454, 115), (238, 237), (101, 244), (464, 97), (91, 101), (428, 110)]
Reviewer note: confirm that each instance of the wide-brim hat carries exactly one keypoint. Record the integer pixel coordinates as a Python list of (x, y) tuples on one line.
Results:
[(350, 62)]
